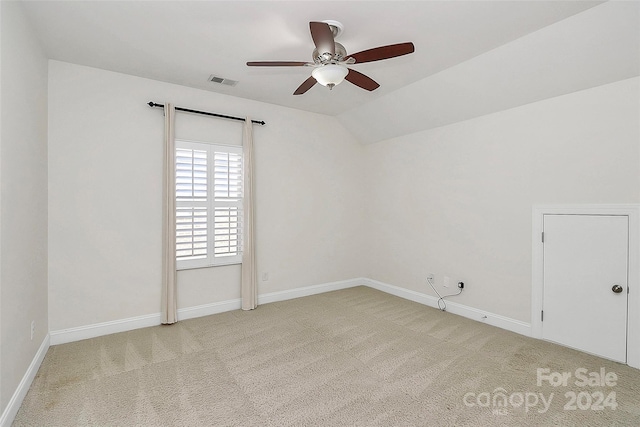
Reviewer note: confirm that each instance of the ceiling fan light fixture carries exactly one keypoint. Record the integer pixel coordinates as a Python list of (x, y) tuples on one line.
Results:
[(330, 74), (330, 59)]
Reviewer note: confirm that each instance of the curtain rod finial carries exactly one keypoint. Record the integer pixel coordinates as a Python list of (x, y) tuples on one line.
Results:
[(150, 104)]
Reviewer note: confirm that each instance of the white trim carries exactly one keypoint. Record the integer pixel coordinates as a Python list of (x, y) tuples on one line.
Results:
[(105, 328), (632, 211), (64, 336), (309, 290), (10, 412), (233, 261), (122, 325), (489, 318), (537, 279), (503, 322), (193, 141), (209, 309)]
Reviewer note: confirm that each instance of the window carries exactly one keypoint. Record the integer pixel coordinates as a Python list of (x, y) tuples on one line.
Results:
[(208, 204)]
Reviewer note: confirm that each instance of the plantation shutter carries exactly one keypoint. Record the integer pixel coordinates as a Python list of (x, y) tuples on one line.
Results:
[(209, 193), (228, 203), (191, 204)]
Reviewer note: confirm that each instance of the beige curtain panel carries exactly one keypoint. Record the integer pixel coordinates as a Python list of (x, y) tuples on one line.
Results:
[(249, 291), (169, 309)]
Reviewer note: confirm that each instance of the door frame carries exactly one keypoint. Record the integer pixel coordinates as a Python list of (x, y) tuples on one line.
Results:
[(632, 211)]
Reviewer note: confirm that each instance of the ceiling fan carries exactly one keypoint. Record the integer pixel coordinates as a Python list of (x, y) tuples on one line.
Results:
[(330, 59)]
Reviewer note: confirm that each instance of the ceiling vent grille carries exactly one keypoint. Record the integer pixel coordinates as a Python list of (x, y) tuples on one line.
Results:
[(222, 80)]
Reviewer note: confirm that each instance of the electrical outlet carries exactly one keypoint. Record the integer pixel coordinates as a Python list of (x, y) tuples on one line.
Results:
[(33, 328), (265, 276), (445, 282)]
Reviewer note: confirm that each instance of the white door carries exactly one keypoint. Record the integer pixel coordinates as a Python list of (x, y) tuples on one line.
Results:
[(585, 283)]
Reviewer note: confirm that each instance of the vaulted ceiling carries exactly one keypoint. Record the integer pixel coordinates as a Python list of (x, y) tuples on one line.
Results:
[(464, 50)]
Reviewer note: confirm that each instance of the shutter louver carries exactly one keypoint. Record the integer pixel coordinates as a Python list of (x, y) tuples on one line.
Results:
[(191, 175), (227, 231), (191, 233), (227, 176)]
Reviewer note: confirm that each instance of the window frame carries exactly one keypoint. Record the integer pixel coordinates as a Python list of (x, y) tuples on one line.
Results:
[(211, 260)]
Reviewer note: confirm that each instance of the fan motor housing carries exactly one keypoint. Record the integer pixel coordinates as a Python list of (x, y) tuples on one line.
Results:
[(326, 57)]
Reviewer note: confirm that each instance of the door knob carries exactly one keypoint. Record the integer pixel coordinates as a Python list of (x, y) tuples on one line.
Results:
[(616, 289)]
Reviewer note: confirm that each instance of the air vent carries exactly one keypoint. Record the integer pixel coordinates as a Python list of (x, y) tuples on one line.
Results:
[(222, 80)]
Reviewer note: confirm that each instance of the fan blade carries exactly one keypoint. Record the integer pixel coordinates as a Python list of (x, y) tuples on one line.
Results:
[(383, 52), (277, 64), (305, 86), (322, 37), (361, 80)]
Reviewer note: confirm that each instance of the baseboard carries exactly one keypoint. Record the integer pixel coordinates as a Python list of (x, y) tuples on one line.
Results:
[(309, 290), (64, 336), (123, 325), (236, 304), (209, 309), (10, 412), (497, 320)]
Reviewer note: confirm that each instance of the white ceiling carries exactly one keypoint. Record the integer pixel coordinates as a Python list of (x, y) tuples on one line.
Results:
[(184, 42), (593, 48)]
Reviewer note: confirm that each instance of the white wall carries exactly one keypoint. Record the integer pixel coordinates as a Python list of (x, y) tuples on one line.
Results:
[(454, 200), (457, 200), (105, 159), (23, 198)]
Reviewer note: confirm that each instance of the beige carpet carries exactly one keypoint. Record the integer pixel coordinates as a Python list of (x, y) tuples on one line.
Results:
[(355, 357)]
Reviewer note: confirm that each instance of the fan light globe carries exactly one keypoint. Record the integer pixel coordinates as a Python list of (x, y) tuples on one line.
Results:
[(330, 74)]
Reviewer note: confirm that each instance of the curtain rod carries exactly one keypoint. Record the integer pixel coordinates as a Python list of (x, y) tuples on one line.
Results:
[(153, 104)]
